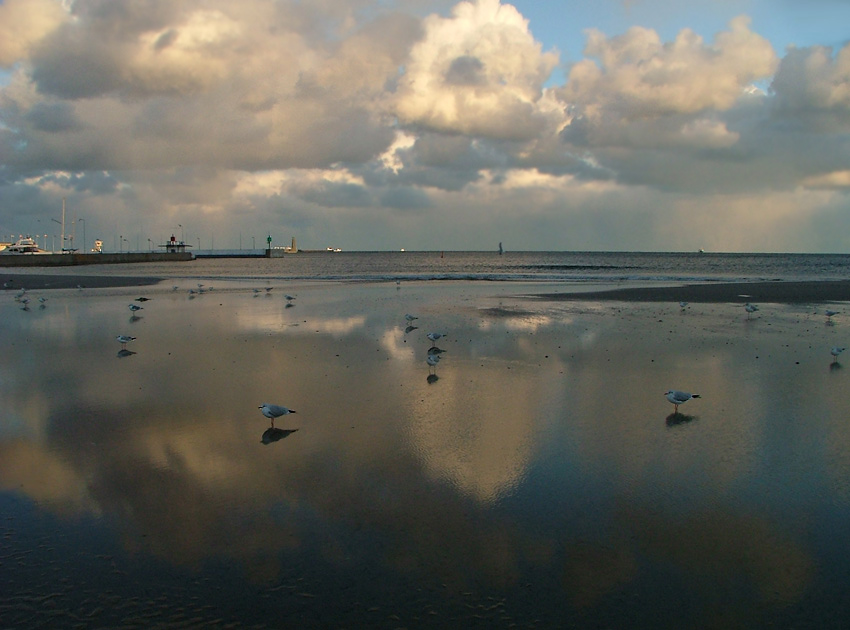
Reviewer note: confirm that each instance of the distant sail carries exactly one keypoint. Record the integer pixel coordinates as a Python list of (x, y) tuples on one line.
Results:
[(501, 251)]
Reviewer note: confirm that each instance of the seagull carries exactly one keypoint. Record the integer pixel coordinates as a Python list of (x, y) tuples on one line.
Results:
[(289, 298), (134, 307), (174, 288), (433, 360), (829, 315), (124, 340), (835, 352), (409, 318), (683, 305), (433, 336), (750, 308), (275, 411), (679, 398)]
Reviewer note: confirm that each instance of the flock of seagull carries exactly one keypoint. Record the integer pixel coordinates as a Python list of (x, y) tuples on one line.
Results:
[(272, 411), (677, 397)]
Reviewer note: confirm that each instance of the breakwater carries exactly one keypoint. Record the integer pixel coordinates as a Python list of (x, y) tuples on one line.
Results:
[(69, 259)]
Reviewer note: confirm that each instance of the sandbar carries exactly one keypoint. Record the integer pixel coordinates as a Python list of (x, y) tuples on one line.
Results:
[(780, 292), (41, 281)]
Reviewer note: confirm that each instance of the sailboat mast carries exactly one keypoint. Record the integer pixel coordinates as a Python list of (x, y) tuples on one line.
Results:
[(62, 242)]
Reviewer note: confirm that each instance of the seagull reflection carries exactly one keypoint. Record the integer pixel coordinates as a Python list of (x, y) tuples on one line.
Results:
[(410, 329), (432, 361), (675, 419), (273, 435), (123, 352), (432, 378)]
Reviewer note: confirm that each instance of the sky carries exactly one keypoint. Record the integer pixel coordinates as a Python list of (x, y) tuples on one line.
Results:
[(634, 125)]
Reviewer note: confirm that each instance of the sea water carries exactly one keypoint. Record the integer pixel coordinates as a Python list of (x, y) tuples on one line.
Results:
[(535, 477)]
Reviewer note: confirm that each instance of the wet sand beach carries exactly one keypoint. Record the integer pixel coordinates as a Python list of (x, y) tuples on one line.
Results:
[(42, 281), (780, 291), (784, 292), (534, 477)]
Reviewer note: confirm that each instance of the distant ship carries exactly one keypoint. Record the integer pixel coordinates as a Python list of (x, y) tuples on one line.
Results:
[(24, 246)]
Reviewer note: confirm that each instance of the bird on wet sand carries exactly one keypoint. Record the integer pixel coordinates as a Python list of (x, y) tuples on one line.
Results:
[(275, 411), (679, 398), (124, 340), (835, 351), (434, 336), (750, 308)]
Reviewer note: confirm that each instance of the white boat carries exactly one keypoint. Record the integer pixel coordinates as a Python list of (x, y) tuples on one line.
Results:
[(24, 245)]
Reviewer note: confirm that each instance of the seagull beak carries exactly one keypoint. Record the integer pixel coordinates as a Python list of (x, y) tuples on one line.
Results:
[(292, 411)]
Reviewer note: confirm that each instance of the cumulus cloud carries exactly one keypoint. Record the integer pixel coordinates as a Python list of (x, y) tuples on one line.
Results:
[(477, 72), (377, 120), (813, 80), (634, 80), (23, 23)]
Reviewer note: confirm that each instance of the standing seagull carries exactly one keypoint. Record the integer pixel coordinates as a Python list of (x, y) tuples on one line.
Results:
[(829, 315), (135, 307), (124, 340), (679, 398), (750, 308), (274, 411), (433, 336), (835, 352), (409, 318)]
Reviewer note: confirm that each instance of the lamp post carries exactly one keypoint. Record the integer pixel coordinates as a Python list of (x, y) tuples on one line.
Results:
[(53, 249), (120, 243), (182, 236), (199, 243), (253, 243), (83, 221), (150, 246)]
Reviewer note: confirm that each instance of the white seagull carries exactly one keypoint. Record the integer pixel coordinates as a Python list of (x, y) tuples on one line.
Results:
[(408, 317), (829, 314), (835, 352), (750, 308), (124, 340), (135, 307), (275, 411), (679, 398), (433, 336)]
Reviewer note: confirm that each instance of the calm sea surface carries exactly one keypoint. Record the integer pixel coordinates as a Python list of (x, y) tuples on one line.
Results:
[(567, 267), (535, 477)]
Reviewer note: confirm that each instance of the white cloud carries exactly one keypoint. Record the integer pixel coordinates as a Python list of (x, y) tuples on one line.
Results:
[(477, 72), (23, 23)]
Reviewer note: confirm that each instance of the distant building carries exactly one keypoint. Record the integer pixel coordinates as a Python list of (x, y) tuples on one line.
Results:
[(173, 246)]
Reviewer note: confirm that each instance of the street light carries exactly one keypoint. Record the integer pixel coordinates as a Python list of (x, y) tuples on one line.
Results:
[(182, 236), (120, 243), (199, 243), (253, 243), (83, 221)]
